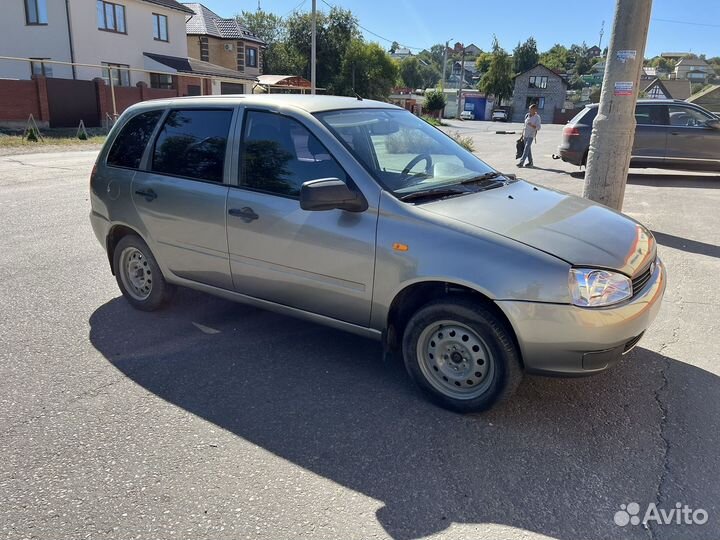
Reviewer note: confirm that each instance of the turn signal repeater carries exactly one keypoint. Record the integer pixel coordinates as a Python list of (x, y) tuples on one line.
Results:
[(397, 246)]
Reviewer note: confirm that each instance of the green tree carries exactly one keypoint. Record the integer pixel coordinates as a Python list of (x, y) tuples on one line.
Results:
[(271, 29), (434, 102), (497, 80), (578, 59), (482, 62), (394, 47), (336, 30), (430, 74), (411, 72), (372, 69), (555, 58), (525, 55)]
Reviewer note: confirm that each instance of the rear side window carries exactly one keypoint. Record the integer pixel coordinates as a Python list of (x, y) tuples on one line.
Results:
[(280, 154), (129, 145), (191, 143)]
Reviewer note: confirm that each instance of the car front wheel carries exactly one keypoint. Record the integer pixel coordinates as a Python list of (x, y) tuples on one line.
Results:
[(461, 355)]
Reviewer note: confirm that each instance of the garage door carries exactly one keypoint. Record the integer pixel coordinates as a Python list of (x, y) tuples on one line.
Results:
[(232, 88)]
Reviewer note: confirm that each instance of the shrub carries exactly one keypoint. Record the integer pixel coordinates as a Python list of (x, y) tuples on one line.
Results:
[(434, 102)]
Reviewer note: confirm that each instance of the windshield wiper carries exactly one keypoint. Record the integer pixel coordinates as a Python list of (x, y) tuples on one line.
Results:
[(487, 176), (432, 194)]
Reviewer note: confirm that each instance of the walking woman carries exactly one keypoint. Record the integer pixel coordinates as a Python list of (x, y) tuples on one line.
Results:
[(532, 126)]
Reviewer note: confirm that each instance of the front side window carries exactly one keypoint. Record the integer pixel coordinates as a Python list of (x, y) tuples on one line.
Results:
[(538, 82), (687, 117), (402, 152), (38, 67), (160, 27), (110, 17), (280, 154), (128, 148), (36, 11), (120, 74), (192, 144), (250, 57)]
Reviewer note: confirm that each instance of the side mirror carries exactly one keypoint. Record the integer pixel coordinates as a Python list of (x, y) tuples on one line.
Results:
[(329, 194), (714, 123)]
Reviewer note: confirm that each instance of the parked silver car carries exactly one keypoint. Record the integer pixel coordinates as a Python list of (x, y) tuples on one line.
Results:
[(358, 215)]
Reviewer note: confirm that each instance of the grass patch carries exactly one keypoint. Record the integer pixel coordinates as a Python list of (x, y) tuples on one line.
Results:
[(50, 137), (437, 122), (466, 142)]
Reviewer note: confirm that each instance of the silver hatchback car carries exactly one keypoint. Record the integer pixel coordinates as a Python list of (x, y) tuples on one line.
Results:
[(358, 215)]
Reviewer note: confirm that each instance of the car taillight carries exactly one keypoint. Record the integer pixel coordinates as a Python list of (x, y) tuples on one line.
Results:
[(571, 131)]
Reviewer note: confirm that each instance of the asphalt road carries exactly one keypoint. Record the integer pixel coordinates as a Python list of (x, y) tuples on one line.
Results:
[(214, 420)]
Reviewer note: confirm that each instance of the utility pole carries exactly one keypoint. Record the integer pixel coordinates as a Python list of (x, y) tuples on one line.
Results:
[(442, 81), (313, 49), (613, 130), (462, 81), (602, 32)]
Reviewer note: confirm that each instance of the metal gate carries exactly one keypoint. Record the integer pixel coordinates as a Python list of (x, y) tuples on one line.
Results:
[(70, 101)]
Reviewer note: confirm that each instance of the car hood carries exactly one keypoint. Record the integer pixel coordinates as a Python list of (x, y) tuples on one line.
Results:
[(579, 231)]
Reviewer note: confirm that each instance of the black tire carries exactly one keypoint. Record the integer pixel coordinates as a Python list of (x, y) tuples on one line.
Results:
[(158, 290), (503, 370)]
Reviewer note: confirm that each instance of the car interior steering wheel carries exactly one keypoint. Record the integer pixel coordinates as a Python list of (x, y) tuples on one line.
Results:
[(414, 161)]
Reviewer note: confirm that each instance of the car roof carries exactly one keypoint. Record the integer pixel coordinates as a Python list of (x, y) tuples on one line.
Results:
[(306, 102), (650, 102)]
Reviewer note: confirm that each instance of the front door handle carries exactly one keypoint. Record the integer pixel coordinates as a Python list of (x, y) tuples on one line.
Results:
[(245, 213), (149, 194)]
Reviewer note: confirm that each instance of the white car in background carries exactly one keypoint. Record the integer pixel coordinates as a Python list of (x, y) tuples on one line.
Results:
[(499, 115), (467, 115)]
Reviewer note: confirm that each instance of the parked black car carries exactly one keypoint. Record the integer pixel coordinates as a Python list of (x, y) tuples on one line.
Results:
[(670, 134)]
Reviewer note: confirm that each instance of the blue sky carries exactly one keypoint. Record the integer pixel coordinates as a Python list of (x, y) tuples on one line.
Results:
[(419, 23)]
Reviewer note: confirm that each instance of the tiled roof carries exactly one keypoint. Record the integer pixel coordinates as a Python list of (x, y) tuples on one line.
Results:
[(209, 23), (197, 67), (692, 62), (171, 4), (673, 88)]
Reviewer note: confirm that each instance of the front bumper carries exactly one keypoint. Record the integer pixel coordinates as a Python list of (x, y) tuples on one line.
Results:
[(561, 339)]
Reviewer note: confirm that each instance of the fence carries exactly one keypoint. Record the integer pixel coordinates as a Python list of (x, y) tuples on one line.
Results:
[(61, 102)]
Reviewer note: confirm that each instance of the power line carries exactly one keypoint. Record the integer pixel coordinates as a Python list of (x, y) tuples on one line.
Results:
[(375, 34), (686, 22), (293, 10)]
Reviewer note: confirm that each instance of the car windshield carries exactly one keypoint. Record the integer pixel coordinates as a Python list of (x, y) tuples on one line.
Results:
[(404, 153)]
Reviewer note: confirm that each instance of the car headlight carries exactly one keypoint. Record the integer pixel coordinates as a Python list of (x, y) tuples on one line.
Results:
[(596, 288)]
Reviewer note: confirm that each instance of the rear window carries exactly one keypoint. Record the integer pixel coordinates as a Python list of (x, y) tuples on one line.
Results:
[(585, 117), (192, 144), (128, 148)]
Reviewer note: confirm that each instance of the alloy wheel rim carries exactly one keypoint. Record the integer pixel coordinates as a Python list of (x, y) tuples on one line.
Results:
[(136, 273), (455, 360)]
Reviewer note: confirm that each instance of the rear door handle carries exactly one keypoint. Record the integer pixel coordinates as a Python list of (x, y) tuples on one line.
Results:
[(245, 213), (149, 194)]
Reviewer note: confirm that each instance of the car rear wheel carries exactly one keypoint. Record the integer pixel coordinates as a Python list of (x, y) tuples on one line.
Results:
[(461, 355), (139, 276)]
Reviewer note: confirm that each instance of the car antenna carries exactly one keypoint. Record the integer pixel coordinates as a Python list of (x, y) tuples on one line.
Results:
[(358, 96)]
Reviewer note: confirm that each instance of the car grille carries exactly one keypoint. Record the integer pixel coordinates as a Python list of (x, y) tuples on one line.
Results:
[(639, 281), (631, 343)]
